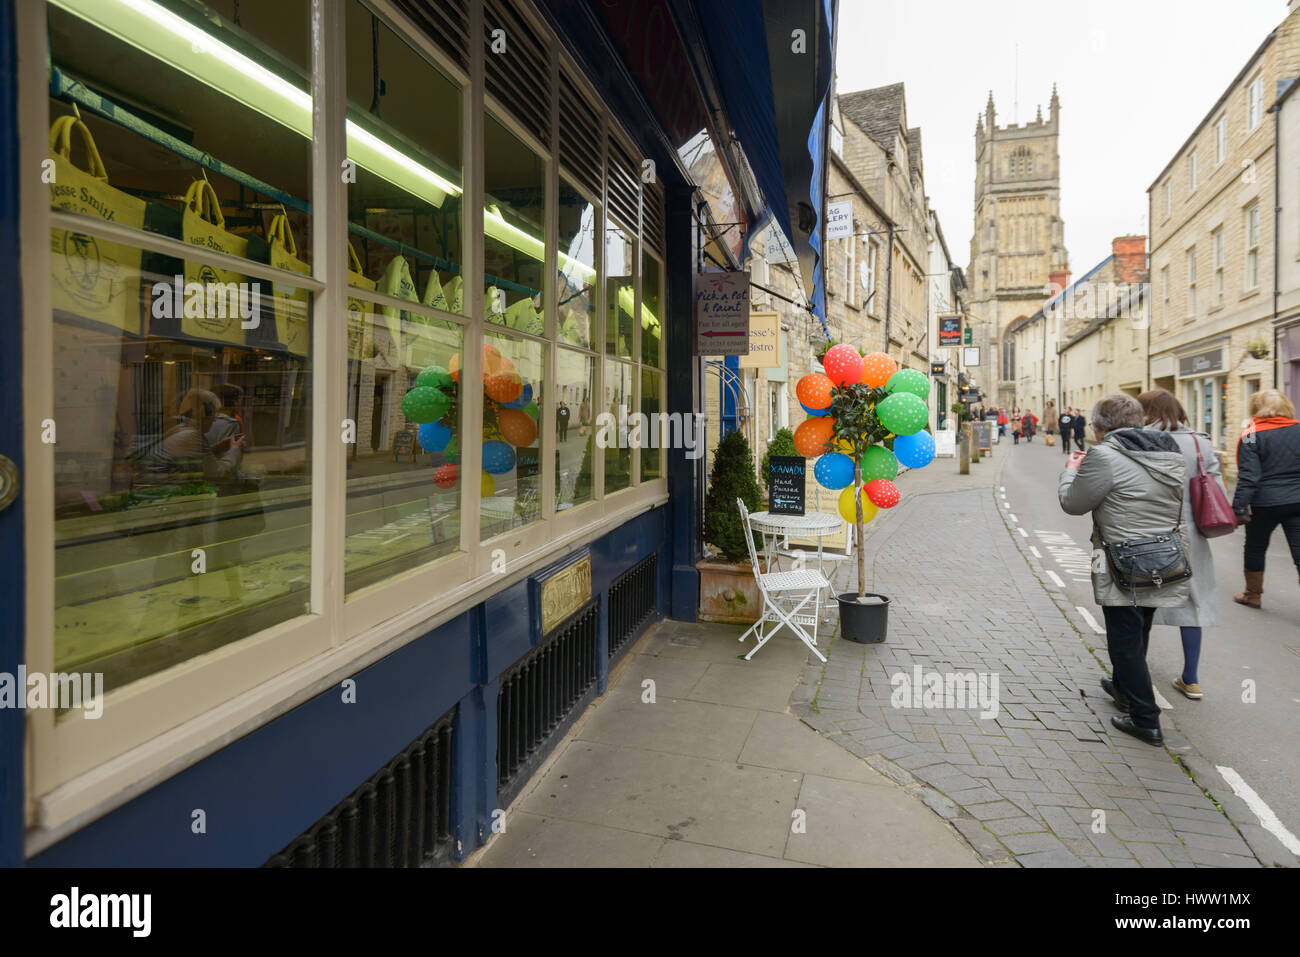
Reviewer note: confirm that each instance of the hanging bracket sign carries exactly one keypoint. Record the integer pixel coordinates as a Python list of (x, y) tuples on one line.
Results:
[(839, 220), (722, 314)]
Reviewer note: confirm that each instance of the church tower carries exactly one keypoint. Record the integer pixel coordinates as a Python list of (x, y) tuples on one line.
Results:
[(1018, 246)]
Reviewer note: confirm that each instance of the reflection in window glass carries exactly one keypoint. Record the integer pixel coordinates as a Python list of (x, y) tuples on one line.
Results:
[(618, 291), (404, 207), (403, 504), (575, 448), (514, 220), (182, 391), (513, 446), (576, 283), (652, 407), (652, 315), (618, 403)]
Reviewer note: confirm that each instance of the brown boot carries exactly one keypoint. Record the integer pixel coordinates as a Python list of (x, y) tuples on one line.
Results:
[(1254, 590)]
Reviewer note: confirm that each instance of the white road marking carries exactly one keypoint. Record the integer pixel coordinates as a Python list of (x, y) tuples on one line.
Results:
[(1022, 532), (1092, 622), (1160, 700), (1267, 819), (1002, 488), (1056, 578), (1006, 504), (1037, 553), (1013, 518)]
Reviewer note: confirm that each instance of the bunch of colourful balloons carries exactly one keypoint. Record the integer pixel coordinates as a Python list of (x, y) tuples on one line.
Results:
[(509, 421), (902, 410)]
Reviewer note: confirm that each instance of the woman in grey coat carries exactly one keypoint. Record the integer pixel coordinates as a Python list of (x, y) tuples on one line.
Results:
[(1132, 482), (1165, 413)]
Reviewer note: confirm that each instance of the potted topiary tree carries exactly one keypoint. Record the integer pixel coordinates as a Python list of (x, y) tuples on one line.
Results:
[(782, 444), (728, 591)]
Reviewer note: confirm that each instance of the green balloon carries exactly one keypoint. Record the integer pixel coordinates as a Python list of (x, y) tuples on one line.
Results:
[(434, 377), (531, 409), (452, 451), (425, 404), (878, 463), (909, 380), (902, 413)]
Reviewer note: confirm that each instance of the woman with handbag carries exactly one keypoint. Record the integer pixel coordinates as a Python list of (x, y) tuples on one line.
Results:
[(1133, 482), (1268, 485), (1164, 413)]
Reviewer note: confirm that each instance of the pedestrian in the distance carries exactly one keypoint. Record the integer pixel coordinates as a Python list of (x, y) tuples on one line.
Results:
[(1077, 424), (562, 421), (1028, 425), (1268, 485), (1133, 483), (1015, 425), (1067, 433), (1050, 417), (1002, 423), (1164, 413)]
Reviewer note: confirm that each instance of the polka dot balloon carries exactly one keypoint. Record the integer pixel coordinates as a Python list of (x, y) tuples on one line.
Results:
[(811, 437), (882, 492), (425, 404), (843, 365), (834, 470), (877, 367), (910, 380), (878, 463), (848, 507), (445, 476), (902, 413), (814, 391)]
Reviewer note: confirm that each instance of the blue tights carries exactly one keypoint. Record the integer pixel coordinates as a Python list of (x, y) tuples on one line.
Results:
[(1191, 653)]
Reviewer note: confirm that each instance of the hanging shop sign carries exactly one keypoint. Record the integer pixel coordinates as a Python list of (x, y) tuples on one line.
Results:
[(764, 341), (839, 219), (777, 248), (938, 369), (722, 314), (970, 356), (950, 330)]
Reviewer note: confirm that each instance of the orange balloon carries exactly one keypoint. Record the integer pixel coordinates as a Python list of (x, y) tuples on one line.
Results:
[(811, 437), (503, 386), (877, 367), (453, 368), (814, 391), (517, 427)]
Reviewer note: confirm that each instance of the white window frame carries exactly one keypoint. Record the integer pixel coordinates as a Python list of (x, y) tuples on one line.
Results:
[(1219, 257), (1193, 171), (1251, 276), (1220, 140), (1164, 305), (1191, 282), (179, 715), (1254, 102), (873, 259), (850, 280), (1169, 198)]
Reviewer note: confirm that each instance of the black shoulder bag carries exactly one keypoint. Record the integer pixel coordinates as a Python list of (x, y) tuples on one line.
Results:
[(1150, 562)]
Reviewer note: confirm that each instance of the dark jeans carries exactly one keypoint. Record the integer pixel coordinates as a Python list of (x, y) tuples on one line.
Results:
[(1078, 438), (1265, 518), (1128, 630), (1065, 443)]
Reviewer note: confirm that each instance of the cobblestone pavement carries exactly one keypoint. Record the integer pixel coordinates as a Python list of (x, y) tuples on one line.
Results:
[(1024, 787)]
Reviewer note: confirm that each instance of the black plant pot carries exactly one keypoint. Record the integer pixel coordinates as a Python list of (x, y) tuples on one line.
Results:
[(865, 624)]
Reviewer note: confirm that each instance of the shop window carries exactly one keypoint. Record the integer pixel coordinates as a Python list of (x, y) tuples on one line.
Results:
[(182, 388), (618, 403), (651, 311), (514, 222), (576, 282), (653, 435), (514, 441), (404, 175), (575, 431), (619, 279)]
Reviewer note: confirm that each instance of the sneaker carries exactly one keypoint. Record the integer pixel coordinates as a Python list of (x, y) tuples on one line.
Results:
[(1192, 691)]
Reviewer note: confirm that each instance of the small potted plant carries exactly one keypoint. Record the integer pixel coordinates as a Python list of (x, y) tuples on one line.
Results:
[(1258, 348), (728, 591), (782, 444)]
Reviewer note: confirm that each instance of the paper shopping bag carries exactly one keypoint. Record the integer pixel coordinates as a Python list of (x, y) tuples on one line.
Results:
[(230, 299), (361, 314), (290, 302), (92, 278)]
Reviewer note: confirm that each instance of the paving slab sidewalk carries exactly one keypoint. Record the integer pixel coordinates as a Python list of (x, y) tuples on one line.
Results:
[(715, 771)]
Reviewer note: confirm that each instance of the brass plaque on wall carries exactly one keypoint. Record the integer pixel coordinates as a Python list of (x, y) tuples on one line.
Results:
[(565, 592)]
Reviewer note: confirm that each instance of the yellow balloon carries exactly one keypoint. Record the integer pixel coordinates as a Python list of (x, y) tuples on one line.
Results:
[(848, 508), (488, 487)]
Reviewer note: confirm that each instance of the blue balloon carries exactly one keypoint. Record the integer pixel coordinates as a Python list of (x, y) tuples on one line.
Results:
[(834, 470), (524, 398), (916, 451), (433, 436), (498, 457), (815, 412)]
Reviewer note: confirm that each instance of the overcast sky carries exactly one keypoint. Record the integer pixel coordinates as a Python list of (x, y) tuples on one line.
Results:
[(1134, 78)]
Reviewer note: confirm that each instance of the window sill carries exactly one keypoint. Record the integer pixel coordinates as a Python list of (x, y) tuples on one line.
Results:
[(1249, 294), (75, 803)]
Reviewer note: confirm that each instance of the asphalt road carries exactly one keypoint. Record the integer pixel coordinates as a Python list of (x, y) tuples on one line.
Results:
[(1260, 740)]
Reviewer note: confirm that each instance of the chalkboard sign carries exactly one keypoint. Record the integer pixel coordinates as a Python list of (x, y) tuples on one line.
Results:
[(404, 444), (786, 477), (983, 432)]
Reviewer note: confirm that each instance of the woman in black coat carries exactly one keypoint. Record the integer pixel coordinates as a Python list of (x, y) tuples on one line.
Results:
[(1268, 485)]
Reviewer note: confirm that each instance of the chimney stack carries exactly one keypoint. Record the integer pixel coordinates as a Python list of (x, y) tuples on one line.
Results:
[(1059, 278), (1130, 254)]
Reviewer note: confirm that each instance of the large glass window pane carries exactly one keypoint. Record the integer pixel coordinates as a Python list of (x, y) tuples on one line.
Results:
[(652, 314), (403, 500), (182, 497), (514, 447), (575, 440), (192, 121), (653, 437), (576, 284), (404, 185), (619, 267), (618, 405), (514, 222)]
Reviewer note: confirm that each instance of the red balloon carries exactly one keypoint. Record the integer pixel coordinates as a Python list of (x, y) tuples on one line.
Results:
[(843, 365), (882, 492), (814, 391), (445, 476), (811, 436), (517, 427), (503, 386)]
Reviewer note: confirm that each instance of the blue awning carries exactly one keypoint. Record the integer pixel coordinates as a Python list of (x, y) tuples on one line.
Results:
[(774, 60)]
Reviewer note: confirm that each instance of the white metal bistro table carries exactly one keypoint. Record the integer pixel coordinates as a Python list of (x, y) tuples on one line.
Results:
[(809, 525)]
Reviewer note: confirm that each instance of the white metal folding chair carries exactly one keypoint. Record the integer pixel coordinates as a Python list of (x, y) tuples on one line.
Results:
[(785, 594)]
